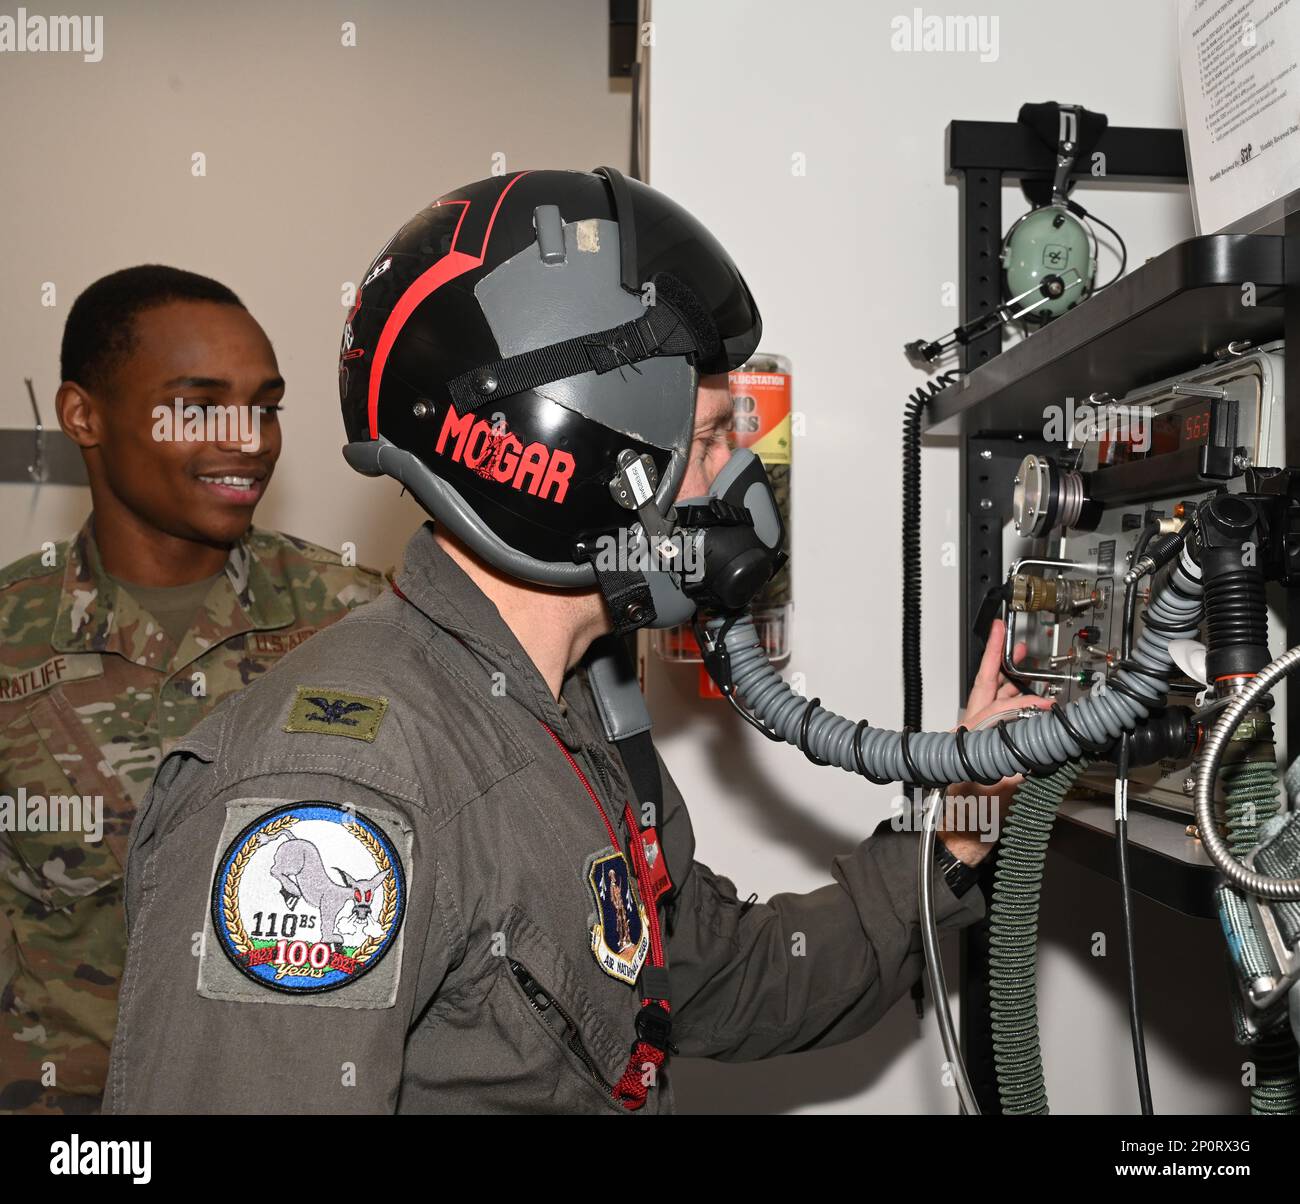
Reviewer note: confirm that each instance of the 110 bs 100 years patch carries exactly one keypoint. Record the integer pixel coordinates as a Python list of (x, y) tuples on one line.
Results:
[(308, 898)]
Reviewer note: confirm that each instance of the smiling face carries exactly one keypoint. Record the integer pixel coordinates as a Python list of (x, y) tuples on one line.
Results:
[(216, 360)]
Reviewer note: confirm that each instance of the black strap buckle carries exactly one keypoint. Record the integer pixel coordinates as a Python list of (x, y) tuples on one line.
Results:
[(627, 595), (654, 1026)]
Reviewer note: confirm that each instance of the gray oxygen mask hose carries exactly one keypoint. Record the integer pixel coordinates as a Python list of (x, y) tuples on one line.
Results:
[(736, 659)]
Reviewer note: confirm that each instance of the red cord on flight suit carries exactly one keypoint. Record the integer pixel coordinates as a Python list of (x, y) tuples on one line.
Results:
[(631, 1089)]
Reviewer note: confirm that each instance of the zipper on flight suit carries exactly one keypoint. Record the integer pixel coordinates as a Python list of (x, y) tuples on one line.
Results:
[(597, 759), (544, 1003)]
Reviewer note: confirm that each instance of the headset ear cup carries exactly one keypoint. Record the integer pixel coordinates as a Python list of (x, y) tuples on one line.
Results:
[(1035, 237)]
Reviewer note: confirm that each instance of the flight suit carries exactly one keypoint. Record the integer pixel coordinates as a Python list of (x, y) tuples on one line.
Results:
[(93, 693), (413, 759)]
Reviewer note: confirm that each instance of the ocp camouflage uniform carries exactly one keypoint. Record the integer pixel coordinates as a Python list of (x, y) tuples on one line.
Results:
[(93, 694)]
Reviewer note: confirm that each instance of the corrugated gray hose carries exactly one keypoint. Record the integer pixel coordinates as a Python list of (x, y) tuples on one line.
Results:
[(1037, 743)]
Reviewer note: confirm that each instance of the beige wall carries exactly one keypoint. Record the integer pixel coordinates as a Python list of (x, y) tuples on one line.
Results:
[(316, 153)]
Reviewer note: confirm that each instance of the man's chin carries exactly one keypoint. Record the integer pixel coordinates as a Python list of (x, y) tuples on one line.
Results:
[(223, 533)]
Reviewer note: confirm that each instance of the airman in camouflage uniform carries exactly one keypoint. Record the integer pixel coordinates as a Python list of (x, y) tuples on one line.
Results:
[(116, 643), (92, 696)]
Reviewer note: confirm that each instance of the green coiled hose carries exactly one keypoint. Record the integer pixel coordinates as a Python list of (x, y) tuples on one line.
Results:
[(1277, 1087), (1252, 796), (1013, 939)]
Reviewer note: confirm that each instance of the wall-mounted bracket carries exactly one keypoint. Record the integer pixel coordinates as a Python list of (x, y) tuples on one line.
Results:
[(39, 456)]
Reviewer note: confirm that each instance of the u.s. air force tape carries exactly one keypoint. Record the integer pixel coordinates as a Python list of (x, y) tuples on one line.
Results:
[(307, 904)]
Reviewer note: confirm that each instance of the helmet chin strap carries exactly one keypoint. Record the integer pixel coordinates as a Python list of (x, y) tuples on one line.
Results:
[(627, 596)]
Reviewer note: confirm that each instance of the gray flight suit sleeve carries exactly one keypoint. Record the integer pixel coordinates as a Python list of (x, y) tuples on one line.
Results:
[(800, 971), (177, 1051)]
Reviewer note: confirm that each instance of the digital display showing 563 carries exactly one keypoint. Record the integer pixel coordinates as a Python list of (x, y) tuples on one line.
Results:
[(1147, 437), (1181, 428)]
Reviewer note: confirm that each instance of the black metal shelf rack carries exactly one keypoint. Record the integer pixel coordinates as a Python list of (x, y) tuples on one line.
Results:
[(1170, 313)]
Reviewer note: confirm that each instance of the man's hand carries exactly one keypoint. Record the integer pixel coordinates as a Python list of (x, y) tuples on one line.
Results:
[(969, 832)]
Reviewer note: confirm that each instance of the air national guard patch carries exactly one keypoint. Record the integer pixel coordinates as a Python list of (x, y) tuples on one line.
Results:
[(620, 936), (307, 898)]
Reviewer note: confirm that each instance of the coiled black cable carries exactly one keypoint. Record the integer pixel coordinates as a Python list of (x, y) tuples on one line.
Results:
[(916, 407)]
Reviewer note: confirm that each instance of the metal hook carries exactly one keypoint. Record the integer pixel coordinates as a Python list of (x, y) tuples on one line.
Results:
[(36, 470)]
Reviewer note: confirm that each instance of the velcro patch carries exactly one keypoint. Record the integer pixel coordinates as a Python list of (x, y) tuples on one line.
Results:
[(307, 904), (336, 713)]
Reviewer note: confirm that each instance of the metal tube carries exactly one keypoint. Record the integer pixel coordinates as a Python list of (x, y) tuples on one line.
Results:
[(1207, 767), (926, 870)]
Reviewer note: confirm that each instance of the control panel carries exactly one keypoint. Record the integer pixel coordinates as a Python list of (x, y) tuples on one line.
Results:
[(1128, 470)]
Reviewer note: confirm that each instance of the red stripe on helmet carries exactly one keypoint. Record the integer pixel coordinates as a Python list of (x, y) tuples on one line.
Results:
[(454, 263), (497, 209), (455, 234), (447, 268)]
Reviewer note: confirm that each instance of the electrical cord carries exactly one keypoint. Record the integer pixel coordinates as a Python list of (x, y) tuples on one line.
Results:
[(1123, 253), (1079, 211), (1140, 1067), (912, 678)]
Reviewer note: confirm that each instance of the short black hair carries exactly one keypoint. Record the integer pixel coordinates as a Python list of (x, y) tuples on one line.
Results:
[(99, 334)]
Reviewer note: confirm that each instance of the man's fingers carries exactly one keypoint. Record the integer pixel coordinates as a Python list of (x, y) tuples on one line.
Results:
[(986, 680)]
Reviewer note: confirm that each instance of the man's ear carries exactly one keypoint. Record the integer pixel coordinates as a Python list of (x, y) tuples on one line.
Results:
[(78, 414)]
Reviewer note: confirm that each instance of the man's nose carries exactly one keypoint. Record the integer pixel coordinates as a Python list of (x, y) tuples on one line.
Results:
[(243, 431)]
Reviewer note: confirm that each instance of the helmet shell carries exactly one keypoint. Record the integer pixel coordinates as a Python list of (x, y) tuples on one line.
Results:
[(468, 281)]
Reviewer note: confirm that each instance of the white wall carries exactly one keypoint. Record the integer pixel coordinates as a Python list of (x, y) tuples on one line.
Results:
[(316, 153), (848, 261)]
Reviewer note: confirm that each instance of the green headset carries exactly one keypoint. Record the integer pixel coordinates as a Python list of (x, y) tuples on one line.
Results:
[(1049, 255), (1050, 241)]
